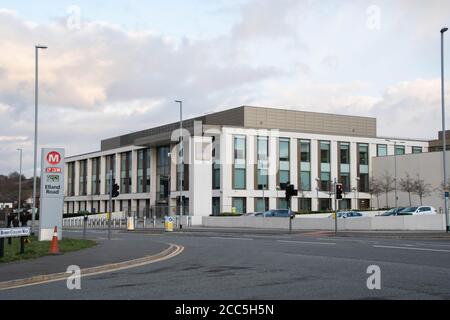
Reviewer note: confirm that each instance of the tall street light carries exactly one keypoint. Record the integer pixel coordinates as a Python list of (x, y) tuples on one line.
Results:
[(181, 152), (444, 146), (20, 183), (33, 216)]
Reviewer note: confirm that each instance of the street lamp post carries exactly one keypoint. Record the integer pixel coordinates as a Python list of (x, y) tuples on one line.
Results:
[(444, 147), (33, 216), (181, 152), (20, 183)]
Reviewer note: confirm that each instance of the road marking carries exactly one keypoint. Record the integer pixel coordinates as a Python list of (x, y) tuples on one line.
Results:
[(412, 248), (168, 253), (307, 242), (230, 238)]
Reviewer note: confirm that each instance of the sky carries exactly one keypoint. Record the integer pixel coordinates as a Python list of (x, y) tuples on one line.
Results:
[(114, 67)]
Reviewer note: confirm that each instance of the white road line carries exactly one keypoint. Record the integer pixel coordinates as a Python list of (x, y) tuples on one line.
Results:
[(229, 238), (307, 242), (412, 248)]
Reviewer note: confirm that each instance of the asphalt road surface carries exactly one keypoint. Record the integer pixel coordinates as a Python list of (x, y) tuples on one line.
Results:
[(274, 266)]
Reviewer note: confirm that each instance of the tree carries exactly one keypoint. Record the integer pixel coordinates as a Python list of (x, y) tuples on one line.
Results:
[(442, 188), (421, 188), (387, 185), (407, 185), (375, 190)]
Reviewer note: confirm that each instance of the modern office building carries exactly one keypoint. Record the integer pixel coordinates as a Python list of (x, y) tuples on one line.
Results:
[(234, 160)]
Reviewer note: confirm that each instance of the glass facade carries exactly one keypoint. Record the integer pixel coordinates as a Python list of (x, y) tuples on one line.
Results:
[(416, 150), (95, 179), (83, 178), (240, 205), (399, 150), (282, 203), (305, 165), (239, 164), (363, 167), (304, 205), (325, 165), (110, 165), (215, 205), (162, 173), (261, 204), (344, 165), (143, 170), (71, 179), (284, 161), (262, 169), (382, 150), (125, 172)]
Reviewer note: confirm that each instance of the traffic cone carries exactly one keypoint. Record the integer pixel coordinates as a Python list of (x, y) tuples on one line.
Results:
[(54, 248)]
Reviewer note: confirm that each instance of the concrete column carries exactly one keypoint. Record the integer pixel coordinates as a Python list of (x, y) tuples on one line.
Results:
[(102, 174), (334, 160), (134, 163), (314, 173), (226, 160), (250, 172), (66, 176), (353, 172), (89, 177), (293, 169), (152, 176), (117, 171)]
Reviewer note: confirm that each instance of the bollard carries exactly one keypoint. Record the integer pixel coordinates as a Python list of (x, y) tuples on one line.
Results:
[(144, 221), (22, 245), (120, 223)]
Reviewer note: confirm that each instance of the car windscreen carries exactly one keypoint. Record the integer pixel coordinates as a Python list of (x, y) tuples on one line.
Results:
[(411, 209)]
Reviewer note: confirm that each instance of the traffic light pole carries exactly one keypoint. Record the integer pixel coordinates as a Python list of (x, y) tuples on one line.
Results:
[(110, 205), (335, 209)]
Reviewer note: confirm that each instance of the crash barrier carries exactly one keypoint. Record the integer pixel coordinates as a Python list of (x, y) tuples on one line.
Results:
[(434, 222)]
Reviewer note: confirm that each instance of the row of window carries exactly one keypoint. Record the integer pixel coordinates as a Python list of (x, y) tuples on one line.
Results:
[(304, 163)]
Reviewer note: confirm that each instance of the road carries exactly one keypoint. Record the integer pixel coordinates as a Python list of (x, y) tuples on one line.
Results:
[(243, 265)]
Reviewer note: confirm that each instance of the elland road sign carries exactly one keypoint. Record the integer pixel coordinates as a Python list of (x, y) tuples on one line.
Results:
[(14, 232)]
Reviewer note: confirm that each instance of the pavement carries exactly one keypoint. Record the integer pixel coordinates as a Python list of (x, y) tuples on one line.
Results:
[(247, 265), (105, 252)]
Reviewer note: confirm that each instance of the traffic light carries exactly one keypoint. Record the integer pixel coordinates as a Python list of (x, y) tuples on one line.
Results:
[(115, 190), (339, 191), (290, 191)]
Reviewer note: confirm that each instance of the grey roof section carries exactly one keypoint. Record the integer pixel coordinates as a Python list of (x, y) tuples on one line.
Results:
[(258, 118)]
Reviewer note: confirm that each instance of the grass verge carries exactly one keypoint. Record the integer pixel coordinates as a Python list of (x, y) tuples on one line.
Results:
[(37, 249)]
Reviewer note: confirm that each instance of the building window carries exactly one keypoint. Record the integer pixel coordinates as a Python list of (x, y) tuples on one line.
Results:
[(83, 178), (304, 205), (110, 166), (416, 150), (261, 204), (305, 165), (345, 204), (344, 165), (239, 165), (363, 167), (282, 203), (71, 179), (95, 182), (143, 170), (125, 172), (216, 206), (262, 165), (399, 150), (239, 204), (162, 173), (284, 158), (382, 150), (216, 163), (325, 204), (325, 166)]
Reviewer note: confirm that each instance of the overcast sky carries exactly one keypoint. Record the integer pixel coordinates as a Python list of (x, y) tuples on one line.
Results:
[(114, 67)]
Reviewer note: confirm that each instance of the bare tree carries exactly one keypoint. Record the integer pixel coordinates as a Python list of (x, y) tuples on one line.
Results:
[(375, 190), (442, 188), (407, 185), (387, 185), (421, 188)]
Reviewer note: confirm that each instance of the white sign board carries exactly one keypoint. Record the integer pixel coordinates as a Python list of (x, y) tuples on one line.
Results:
[(14, 232), (52, 193)]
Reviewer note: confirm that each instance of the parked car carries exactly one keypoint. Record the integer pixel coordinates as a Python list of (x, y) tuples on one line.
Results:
[(392, 212), (348, 214), (278, 213), (252, 214), (413, 211)]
